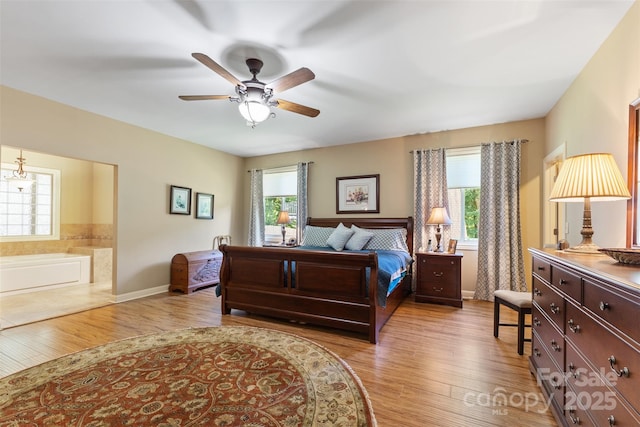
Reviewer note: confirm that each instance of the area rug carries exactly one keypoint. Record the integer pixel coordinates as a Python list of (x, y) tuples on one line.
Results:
[(221, 376)]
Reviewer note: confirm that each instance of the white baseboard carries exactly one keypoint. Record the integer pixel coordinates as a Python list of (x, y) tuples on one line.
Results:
[(467, 294), (142, 293)]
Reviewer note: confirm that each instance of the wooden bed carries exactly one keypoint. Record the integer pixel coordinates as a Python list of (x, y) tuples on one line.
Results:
[(329, 288)]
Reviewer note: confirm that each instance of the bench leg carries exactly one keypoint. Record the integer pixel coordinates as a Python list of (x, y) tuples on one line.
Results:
[(496, 318), (521, 317)]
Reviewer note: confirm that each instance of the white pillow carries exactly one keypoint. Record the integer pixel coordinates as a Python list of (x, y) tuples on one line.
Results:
[(339, 237), (316, 236), (359, 239)]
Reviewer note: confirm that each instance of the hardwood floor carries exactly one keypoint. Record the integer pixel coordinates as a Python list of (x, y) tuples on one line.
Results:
[(434, 365)]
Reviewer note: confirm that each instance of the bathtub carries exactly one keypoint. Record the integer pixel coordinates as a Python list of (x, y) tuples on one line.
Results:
[(24, 273)]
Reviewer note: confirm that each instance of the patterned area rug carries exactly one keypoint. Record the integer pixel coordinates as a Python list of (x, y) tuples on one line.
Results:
[(223, 376)]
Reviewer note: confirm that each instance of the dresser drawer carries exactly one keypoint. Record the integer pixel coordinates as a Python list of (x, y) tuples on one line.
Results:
[(549, 335), (599, 346), (588, 392), (542, 268), (549, 375), (567, 282), (550, 302), (618, 309)]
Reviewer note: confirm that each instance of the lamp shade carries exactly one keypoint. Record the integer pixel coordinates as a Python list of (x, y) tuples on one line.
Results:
[(283, 218), (439, 216), (593, 175), (254, 111)]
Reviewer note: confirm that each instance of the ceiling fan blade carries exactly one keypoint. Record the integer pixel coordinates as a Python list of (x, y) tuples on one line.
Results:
[(297, 108), (202, 97), (292, 79), (213, 65)]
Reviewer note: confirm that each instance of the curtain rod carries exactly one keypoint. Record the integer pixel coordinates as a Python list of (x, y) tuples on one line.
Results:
[(286, 166), (480, 145)]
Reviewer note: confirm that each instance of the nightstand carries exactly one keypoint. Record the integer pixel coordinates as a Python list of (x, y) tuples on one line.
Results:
[(439, 278)]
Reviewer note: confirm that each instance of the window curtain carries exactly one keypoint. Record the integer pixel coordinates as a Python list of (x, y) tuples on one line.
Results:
[(500, 261), (256, 210), (430, 191), (303, 203)]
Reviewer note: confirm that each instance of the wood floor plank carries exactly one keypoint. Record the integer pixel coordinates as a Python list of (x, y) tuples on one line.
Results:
[(434, 365)]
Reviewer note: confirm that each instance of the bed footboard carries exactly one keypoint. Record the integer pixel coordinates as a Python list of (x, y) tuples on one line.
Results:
[(319, 287)]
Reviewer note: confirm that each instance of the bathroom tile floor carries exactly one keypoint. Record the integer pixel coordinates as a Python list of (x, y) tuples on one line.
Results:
[(32, 307)]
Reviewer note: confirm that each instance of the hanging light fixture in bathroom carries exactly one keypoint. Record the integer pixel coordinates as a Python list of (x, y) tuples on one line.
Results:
[(19, 176)]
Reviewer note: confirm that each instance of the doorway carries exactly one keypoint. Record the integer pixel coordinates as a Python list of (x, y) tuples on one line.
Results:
[(82, 222)]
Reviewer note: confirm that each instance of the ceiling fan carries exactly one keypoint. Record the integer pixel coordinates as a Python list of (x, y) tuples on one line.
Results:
[(255, 97)]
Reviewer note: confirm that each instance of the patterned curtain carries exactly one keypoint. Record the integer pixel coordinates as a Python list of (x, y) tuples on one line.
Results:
[(430, 191), (500, 262), (303, 202), (256, 210)]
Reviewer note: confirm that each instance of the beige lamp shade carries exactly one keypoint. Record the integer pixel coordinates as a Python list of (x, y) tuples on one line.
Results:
[(439, 216), (283, 218), (594, 175), (589, 177)]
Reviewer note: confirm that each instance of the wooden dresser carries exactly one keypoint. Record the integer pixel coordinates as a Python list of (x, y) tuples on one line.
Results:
[(193, 270), (586, 337), (439, 278)]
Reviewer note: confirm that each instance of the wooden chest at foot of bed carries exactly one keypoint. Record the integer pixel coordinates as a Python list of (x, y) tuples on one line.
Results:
[(193, 270)]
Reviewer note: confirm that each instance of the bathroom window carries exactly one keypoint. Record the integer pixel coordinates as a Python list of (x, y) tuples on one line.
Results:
[(29, 209)]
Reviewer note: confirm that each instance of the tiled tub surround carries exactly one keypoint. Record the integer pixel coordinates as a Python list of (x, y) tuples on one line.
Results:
[(71, 236)]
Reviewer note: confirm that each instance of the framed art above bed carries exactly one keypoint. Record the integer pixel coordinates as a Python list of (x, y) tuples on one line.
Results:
[(358, 194)]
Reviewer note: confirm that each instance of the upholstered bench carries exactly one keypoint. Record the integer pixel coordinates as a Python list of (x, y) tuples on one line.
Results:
[(518, 301)]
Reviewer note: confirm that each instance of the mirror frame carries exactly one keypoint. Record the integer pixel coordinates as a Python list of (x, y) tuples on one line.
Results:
[(632, 174)]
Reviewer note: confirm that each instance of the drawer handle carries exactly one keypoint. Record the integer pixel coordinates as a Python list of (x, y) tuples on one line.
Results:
[(604, 306), (537, 322), (537, 292), (624, 372), (555, 346), (437, 289), (575, 374), (537, 352), (540, 268), (440, 274), (574, 328), (574, 420), (612, 420), (562, 282), (554, 308)]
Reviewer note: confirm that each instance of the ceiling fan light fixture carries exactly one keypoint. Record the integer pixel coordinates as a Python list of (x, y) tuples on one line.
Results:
[(254, 111)]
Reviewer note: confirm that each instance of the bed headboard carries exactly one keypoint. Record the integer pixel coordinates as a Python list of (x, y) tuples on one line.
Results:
[(369, 223)]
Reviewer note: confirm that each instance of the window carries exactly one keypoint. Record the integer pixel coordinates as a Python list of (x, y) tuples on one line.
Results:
[(463, 181), (29, 210), (280, 190)]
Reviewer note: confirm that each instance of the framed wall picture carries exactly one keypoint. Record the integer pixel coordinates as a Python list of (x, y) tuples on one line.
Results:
[(204, 206), (453, 244), (180, 200), (358, 194)]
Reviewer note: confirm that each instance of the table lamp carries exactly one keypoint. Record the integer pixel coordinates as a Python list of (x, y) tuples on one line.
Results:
[(588, 177), (439, 217), (283, 219)]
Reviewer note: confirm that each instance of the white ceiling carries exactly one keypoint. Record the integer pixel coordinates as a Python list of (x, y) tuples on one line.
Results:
[(383, 68)]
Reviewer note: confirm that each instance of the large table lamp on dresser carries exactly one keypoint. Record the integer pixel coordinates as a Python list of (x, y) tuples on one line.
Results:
[(589, 177)]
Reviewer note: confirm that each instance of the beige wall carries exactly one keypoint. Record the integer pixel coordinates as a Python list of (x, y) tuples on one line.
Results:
[(592, 116), (147, 163), (391, 158)]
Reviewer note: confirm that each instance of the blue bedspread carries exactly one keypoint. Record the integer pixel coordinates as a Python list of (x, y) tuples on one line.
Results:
[(392, 267)]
